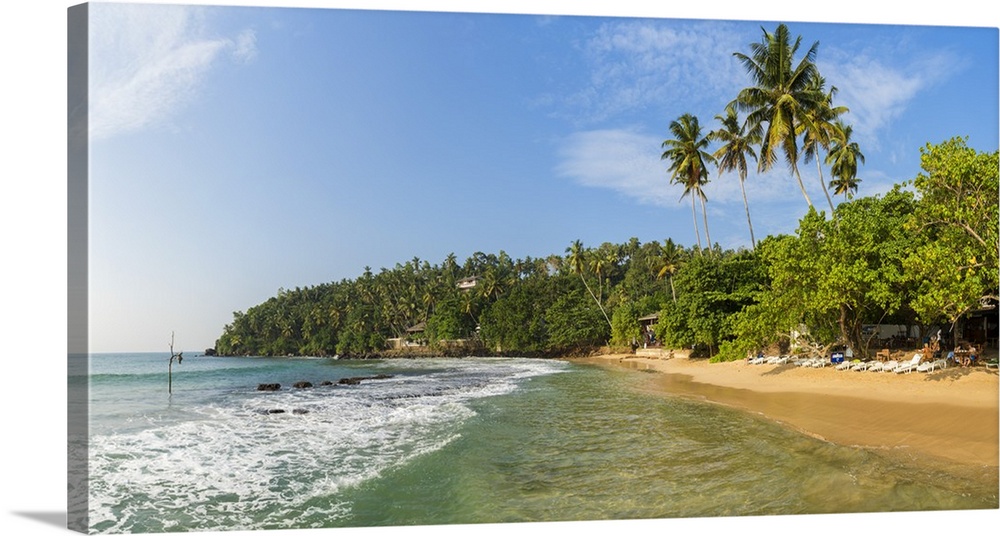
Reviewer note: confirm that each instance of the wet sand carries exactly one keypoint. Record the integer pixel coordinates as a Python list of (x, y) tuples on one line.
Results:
[(949, 415)]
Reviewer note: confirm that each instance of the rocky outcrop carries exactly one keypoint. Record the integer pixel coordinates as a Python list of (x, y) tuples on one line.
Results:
[(302, 385), (358, 379), (269, 387)]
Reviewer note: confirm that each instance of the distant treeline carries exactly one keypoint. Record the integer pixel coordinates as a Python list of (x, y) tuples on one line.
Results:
[(923, 253)]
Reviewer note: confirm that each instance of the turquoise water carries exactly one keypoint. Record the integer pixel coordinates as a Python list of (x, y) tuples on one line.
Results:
[(457, 441)]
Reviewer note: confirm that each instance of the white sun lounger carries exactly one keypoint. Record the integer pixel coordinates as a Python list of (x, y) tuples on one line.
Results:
[(932, 365), (846, 365), (889, 366), (882, 366), (909, 366)]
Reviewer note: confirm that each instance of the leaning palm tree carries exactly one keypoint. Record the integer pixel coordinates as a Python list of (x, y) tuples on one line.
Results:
[(843, 159), (578, 264), (818, 128), (688, 165), (737, 142), (781, 91)]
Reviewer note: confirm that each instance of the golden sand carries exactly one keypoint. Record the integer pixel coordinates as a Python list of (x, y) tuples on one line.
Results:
[(950, 414)]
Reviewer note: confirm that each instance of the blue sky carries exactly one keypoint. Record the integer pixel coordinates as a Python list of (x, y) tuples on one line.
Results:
[(238, 150)]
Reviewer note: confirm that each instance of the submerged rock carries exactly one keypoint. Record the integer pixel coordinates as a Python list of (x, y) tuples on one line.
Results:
[(269, 387), (358, 379), (302, 385)]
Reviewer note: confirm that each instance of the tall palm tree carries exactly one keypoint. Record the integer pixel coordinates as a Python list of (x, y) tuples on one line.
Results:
[(688, 156), (781, 91), (578, 264), (737, 142), (818, 128), (843, 159)]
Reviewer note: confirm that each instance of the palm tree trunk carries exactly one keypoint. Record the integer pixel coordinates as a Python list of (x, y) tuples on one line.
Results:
[(802, 187), (599, 306), (704, 214), (694, 219), (753, 242), (822, 184)]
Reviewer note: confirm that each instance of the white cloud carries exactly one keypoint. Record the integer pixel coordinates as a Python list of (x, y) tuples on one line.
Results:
[(620, 160), (637, 64), (146, 61), (628, 162), (878, 93)]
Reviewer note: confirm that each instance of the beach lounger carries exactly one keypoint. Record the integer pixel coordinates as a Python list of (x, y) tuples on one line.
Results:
[(862, 365), (846, 365), (992, 363), (932, 365), (889, 366), (879, 366), (909, 366)]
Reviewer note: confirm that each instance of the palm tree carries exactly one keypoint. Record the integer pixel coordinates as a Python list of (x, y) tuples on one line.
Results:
[(666, 262), (843, 159), (578, 264), (780, 94), (819, 129), (737, 143), (688, 158)]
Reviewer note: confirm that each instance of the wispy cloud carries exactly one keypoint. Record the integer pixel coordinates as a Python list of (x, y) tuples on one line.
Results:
[(620, 160), (636, 65), (878, 91), (628, 162), (146, 61)]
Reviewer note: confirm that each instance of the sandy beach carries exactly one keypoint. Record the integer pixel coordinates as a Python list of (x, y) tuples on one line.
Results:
[(950, 415)]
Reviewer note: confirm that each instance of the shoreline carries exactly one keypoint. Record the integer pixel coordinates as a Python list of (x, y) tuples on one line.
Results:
[(950, 415)]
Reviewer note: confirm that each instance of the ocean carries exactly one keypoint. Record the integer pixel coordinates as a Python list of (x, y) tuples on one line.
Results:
[(456, 441)]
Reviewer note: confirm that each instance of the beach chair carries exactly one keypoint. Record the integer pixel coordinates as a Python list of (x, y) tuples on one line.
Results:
[(932, 365), (846, 365), (992, 363), (862, 365), (889, 366), (909, 366)]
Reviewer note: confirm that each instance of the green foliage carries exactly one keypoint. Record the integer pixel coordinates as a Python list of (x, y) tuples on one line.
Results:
[(833, 276), (448, 321), (625, 328), (516, 322), (955, 265), (711, 290), (573, 321)]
